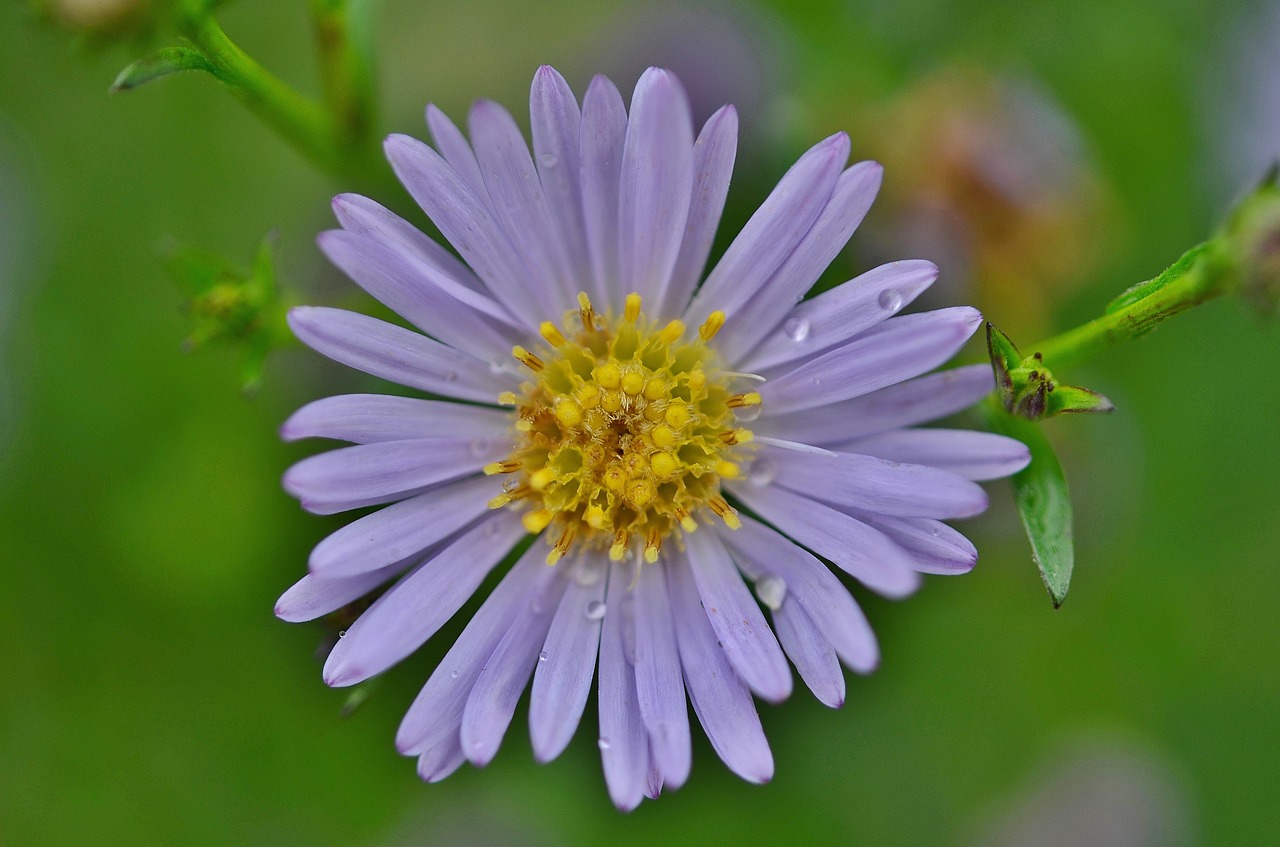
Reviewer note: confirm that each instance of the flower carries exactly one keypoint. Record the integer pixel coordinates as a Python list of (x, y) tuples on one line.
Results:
[(618, 409)]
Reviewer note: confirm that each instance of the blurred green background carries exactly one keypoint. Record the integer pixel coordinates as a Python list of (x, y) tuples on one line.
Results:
[(149, 695)]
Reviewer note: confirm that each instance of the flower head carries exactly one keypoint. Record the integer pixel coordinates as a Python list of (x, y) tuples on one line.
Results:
[(623, 412)]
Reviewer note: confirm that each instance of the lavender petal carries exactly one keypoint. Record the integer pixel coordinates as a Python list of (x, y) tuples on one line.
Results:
[(557, 124), (932, 545), (659, 684), (604, 129), (811, 652), (973, 455), (311, 597), (624, 745), (374, 418)]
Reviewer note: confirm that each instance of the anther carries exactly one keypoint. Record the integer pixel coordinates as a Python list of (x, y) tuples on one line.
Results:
[(663, 436), (731, 437), (619, 548), (568, 413), (632, 382), (677, 415), (652, 544), (509, 497), (586, 311), (697, 379), (537, 520), (631, 309), (507, 398), (608, 375), (664, 465), (640, 492), (527, 359), (505, 466), (552, 334), (541, 478), (726, 512), (655, 389), (711, 325), (595, 517), (563, 543), (671, 332), (728, 470), (737, 401)]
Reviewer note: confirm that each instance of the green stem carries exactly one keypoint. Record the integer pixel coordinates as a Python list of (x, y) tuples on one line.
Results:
[(345, 67), (1203, 273)]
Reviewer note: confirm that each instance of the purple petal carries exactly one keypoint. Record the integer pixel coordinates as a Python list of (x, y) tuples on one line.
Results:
[(875, 485), (427, 298), (504, 677), (373, 474), (713, 156), (403, 529), (841, 313), (556, 123), (442, 760), (656, 181), (659, 684), (373, 418), (851, 198), (973, 455), (912, 402), (762, 552), (745, 637), (466, 220), (415, 608), (772, 233), (934, 546), (624, 745), (397, 354), (436, 713), (897, 349), (520, 206), (362, 216), (863, 552), (720, 699), (604, 128), (812, 653), (310, 597), (453, 146), (566, 665)]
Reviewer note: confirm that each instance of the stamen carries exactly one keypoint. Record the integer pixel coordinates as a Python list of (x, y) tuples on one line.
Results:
[(507, 398), (737, 436), (505, 466), (537, 520), (552, 334), (726, 512), (652, 544), (738, 401), (509, 496), (711, 325), (619, 548), (671, 332), (631, 310), (527, 359), (568, 413), (586, 311), (541, 478), (563, 543), (728, 470)]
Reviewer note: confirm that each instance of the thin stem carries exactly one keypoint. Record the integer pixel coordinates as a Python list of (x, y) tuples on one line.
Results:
[(1203, 273), (346, 67)]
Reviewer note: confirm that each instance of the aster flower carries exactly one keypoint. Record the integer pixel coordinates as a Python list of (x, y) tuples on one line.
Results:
[(618, 410)]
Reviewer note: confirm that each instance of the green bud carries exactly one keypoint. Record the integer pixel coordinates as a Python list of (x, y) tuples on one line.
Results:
[(1027, 388), (229, 306), (162, 63), (1252, 237)]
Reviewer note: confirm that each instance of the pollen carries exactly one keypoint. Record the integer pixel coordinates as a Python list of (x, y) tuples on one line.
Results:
[(623, 433)]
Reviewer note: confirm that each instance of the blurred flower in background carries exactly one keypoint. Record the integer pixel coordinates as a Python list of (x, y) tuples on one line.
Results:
[(990, 180)]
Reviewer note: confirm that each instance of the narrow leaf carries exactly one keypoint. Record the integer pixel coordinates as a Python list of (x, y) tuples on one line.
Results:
[(1043, 502), (162, 63)]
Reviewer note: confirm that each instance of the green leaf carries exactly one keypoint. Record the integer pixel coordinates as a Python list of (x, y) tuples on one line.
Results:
[(162, 63), (1044, 503)]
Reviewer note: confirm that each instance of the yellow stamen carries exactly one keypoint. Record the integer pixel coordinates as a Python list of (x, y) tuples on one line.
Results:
[(552, 334), (608, 375), (631, 309), (652, 544), (586, 311), (541, 478), (737, 401), (505, 466), (677, 415), (663, 436), (711, 325), (726, 512), (537, 520), (507, 398), (655, 389), (632, 382), (728, 470), (568, 413), (527, 359), (619, 548), (671, 332), (665, 464)]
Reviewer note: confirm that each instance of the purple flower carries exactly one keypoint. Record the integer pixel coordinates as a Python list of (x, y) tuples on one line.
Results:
[(619, 409)]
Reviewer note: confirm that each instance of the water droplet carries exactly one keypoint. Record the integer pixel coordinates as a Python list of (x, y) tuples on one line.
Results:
[(595, 610), (497, 367), (542, 657), (772, 590), (934, 531), (453, 674), (761, 472), (797, 329), (817, 382), (747, 413), (451, 376), (548, 160), (342, 633), (602, 743), (890, 300)]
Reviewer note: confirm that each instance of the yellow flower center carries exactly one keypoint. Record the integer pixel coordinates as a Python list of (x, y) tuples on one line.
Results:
[(624, 432)]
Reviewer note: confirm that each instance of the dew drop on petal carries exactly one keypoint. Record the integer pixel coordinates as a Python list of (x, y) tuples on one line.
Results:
[(342, 633), (451, 376), (453, 674), (817, 382), (595, 610), (797, 329), (548, 160), (890, 300), (761, 472), (772, 590), (602, 743), (542, 657), (747, 413)]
